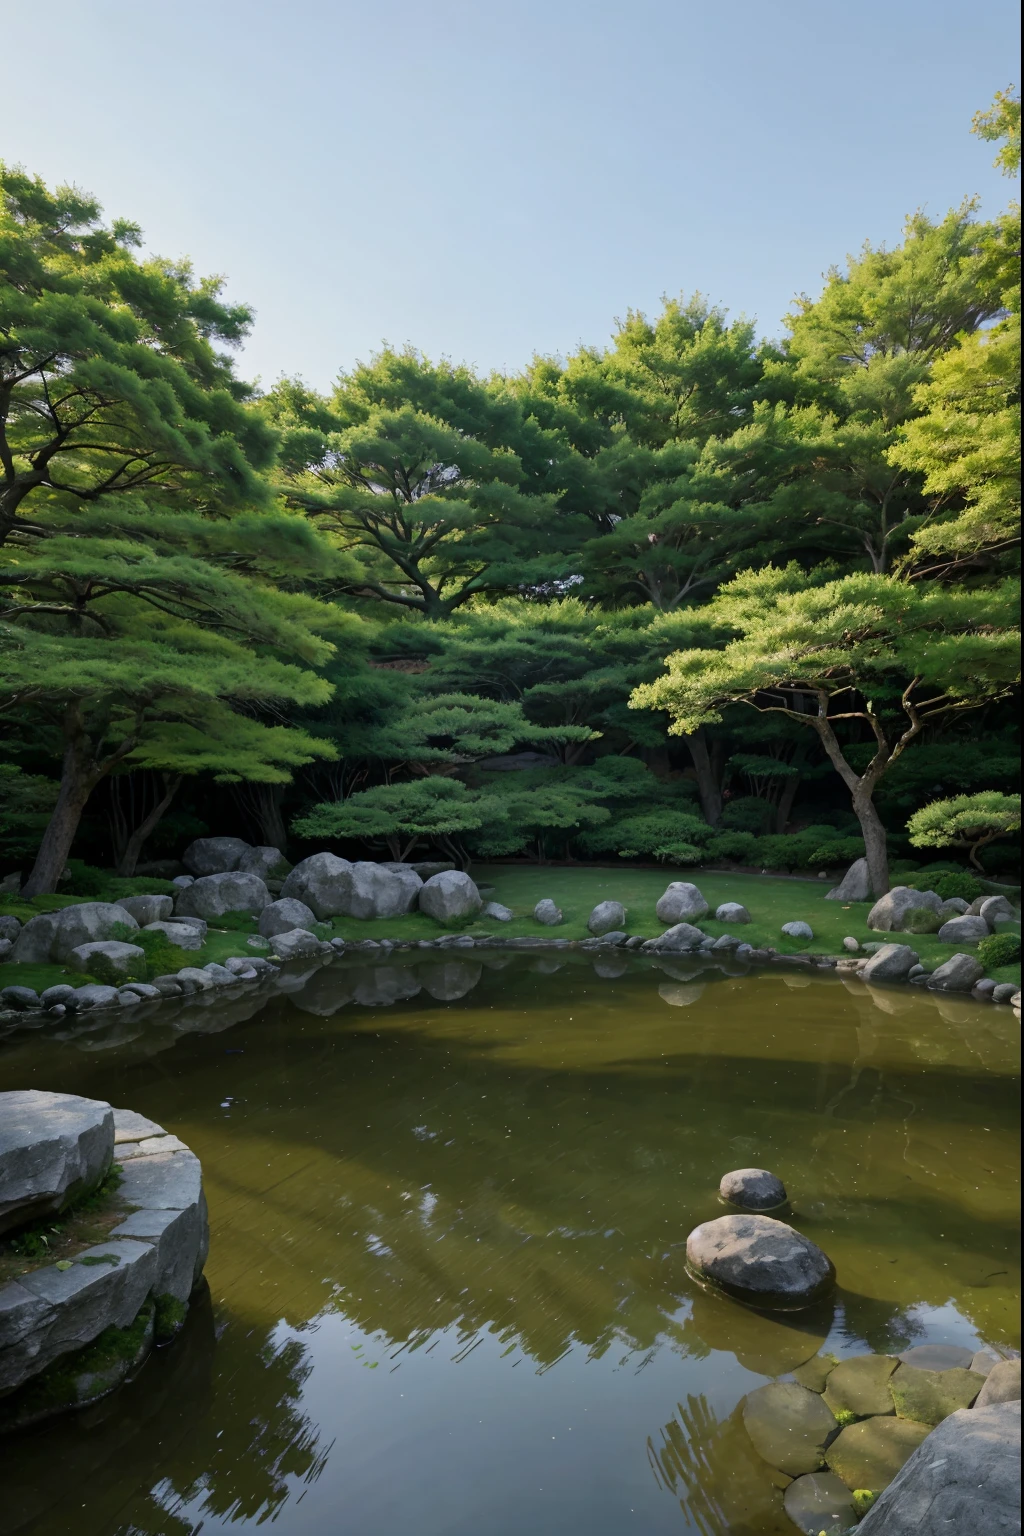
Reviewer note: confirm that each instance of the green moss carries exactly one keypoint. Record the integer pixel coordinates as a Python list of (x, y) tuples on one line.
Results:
[(39, 1240), (863, 1498), (845, 1416), (170, 1317), (60, 1385)]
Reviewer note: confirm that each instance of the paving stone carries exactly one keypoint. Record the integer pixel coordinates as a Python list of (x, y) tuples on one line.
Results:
[(860, 1385), (789, 1426), (869, 1454), (819, 1501), (937, 1357)]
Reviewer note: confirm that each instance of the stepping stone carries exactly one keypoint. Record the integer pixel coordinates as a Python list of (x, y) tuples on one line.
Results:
[(814, 1374), (789, 1426), (819, 1501), (861, 1386), (760, 1261), (869, 1454), (755, 1189), (938, 1357), (928, 1397)]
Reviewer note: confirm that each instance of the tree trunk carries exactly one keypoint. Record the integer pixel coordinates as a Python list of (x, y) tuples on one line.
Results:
[(789, 790), (133, 848), (708, 786), (875, 840), (79, 777)]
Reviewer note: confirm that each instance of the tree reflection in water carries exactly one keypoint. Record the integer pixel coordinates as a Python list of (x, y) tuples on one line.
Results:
[(723, 1486)]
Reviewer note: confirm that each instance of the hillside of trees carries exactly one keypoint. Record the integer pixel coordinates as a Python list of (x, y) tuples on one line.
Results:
[(695, 597)]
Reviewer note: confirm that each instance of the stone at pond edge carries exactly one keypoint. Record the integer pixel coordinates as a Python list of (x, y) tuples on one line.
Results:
[(869, 1454), (298, 944), (860, 1385), (819, 1501), (760, 1261), (928, 1397), (53, 1146), (679, 939), (124, 960), (283, 915), (957, 974), (755, 1189), (813, 1374), (890, 962), (937, 1357), (855, 884), (966, 1479), (788, 1426), (1002, 1385), (449, 895)]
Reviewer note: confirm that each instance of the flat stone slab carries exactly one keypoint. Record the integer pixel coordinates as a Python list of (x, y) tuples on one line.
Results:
[(928, 1397), (869, 1454), (759, 1260), (965, 1479), (789, 1426), (815, 1373), (860, 1385), (937, 1357), (53, 1146), (818, 1502), (129, 1125)]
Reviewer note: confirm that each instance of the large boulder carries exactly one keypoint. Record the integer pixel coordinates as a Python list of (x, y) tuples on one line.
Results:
[(333, 887), (449, 896), (753, 1189), (10, 927), (966, 1478), (119, 961), (679, 939), (211, 896), (297, 944), (902, 910), (283, 915), (681, 903), (53, 935), (148, 909), (963, 930), (269, 863), (957, 974), (606, 917), (53, 1147), (854, 886), (1002, 1384), (890, 962), (214, 855), (760, 1261), (35, 941), (996, 909)]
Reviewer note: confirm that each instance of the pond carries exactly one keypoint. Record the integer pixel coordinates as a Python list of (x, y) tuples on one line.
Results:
[(449, 1202)]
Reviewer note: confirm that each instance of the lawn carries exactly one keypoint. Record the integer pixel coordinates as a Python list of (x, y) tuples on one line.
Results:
[(771, 901)]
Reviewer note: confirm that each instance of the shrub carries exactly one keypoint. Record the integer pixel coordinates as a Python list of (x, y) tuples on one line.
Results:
[(999, 949), (85, 880), (103, 970), (747, 813), (839, 850), (739, 846), (793, 850), (958, 883), (162, 957)]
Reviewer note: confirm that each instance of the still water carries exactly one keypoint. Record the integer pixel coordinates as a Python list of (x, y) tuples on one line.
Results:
[(449, 1202)]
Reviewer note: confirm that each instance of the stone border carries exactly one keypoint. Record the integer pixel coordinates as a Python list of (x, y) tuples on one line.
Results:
[(156, 1255)]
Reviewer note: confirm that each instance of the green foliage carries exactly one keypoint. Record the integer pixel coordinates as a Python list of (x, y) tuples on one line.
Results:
[(837, 850), (948, 885), (26, 804), (738, 847), (967, 821), (746, 813), (103, 970), (798, 850), (999, 949), (169, 1317), (235, 922), (86, 880), (162, 957)]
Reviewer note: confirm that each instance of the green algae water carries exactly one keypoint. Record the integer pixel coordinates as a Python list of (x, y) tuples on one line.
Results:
[(449, 1201)]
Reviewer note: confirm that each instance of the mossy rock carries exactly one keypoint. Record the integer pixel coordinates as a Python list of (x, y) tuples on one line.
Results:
[(83, 1377), (789, 1426), (869, 1454), (860, 1386), (928, 1397)]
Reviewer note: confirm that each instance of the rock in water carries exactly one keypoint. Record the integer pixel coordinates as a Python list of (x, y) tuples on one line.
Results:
[(1002, 1385), (928, 1397), (869, 1454), (894, 912), (606, 917), (937, 1357), (761, 1261), (679, 939), (957, 974), (819, 1501), (53, 1147), (214, 855), (450, 980), (860, 1385), (732, 912), (890, 962), (789, 1426), (681, 903), (967, 1478), (283, 915), (755, 1189), (213, 896), (854, 886), (547, 912), (449, 895)]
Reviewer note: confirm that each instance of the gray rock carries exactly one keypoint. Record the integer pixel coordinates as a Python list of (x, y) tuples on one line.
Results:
[(606, 916), (168, 986), (88, 922), (199, 924), (761, 1261), (61, 993), (957, 974), (94, 995), (498, 912), (178, 1237), (854, 886), (547, 912), (1005, 991), (450, 980), (194, 979), (890, 962), (860, 1385), (726, 941), (966, 1477), (148, 909), (219, 974), (983, 1361), (35, 941), (732, 912), (184, 935), (798, 930), (789, 1426), (851, 945), (928, 1397), (10, 927), (902, 910), (953, 906), (182, 882), (214, 855), (1002, 1385), (681, 903), (679, 939), (754, 1189), (870, 1454), (257, 941), (128, 999), (330, 887), (996, 908), (283, 915), (211, 896), (819, 1501), (983, 989), (422, 867), (916, 971), (269, 863), (143, 989), (963, 930), (6, 950), (53, 1147), (20, 999), (449, 896), (126, 959), (297, 944), (238, 965)]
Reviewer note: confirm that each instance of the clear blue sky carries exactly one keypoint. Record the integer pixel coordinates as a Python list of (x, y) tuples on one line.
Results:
[(490, 178)]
